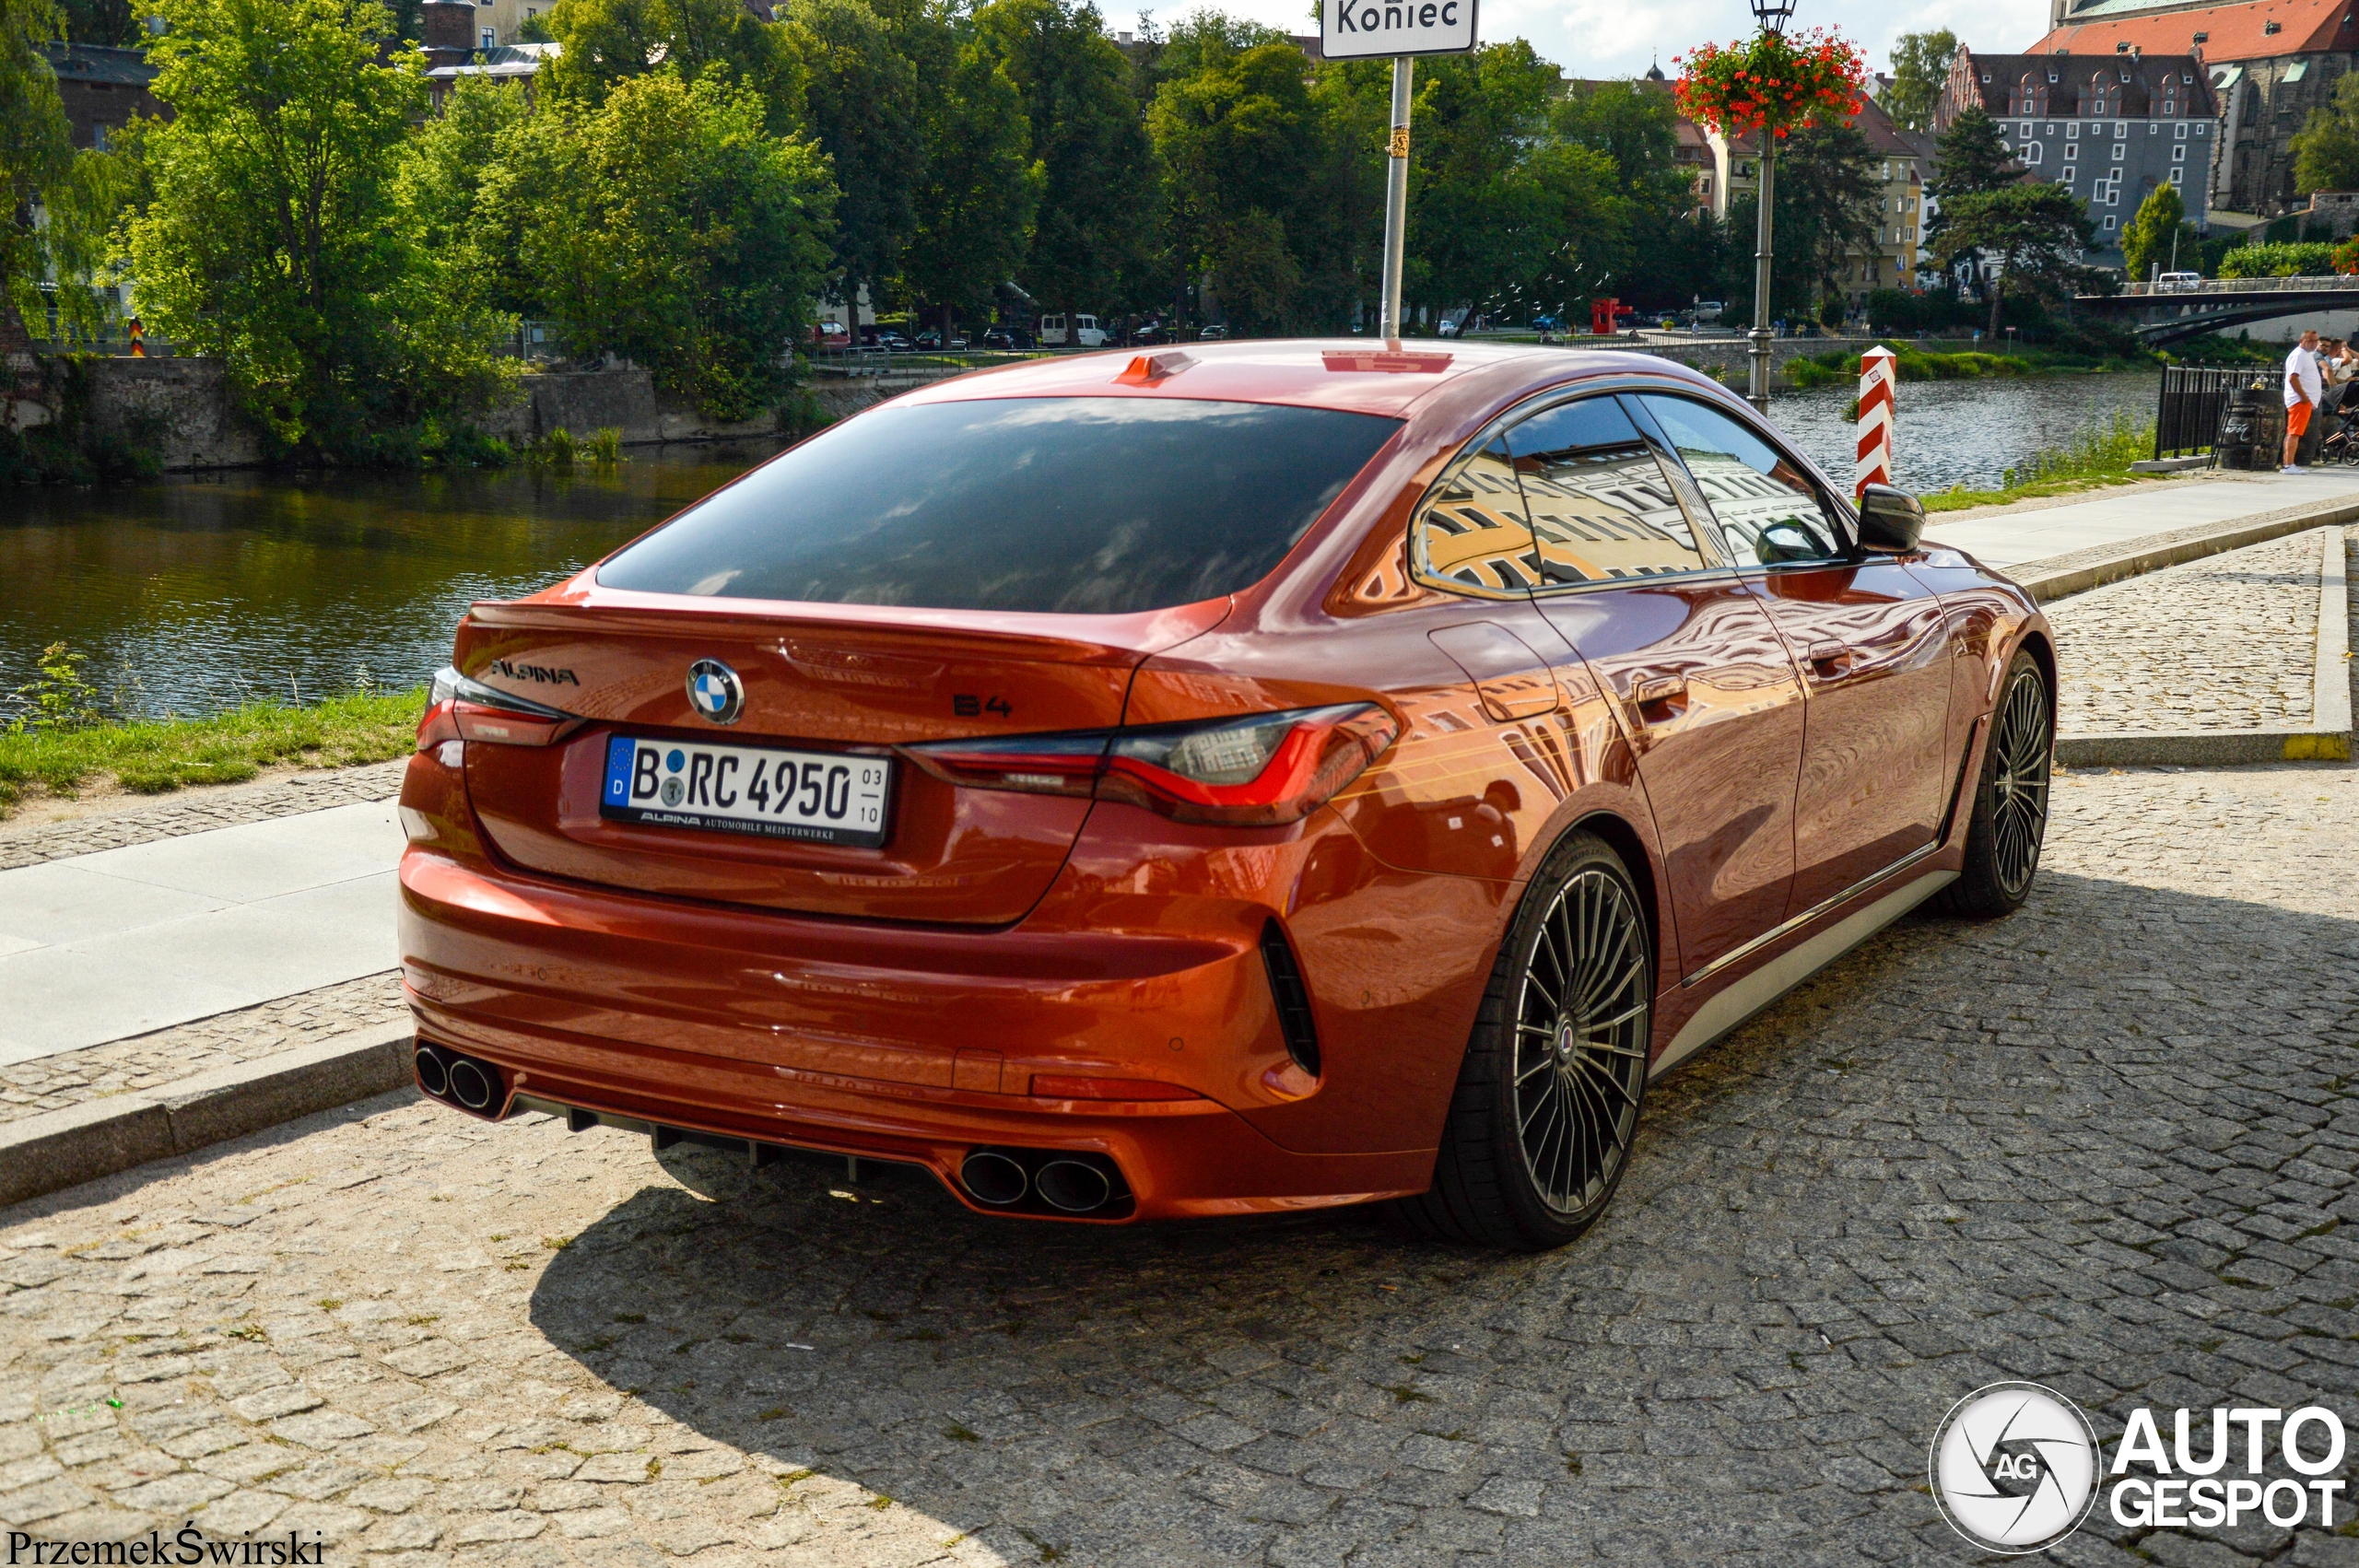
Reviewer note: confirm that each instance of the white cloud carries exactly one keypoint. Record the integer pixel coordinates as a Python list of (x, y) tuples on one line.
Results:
[(1614, 38)]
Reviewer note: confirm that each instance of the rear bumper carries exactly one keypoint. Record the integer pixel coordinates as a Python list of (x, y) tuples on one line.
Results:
[(915, 1046)]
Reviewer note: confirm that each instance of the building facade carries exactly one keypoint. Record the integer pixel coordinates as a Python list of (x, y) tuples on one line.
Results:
[(1903, 159), (2110, 128), (2268, 62)]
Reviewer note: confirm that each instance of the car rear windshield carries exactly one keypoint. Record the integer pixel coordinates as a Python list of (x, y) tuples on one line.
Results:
[(1073, 504)]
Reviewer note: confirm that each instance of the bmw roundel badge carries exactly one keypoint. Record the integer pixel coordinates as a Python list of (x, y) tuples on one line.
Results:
[(715, 692)]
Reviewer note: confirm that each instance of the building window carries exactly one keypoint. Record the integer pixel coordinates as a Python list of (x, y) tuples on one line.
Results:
[(2071, 150), (2109, 221), (2072, 130), (2178, 155), (2119, 152), (2176, 174), (2027, 130), (2031, 153), (2182, 130), (2200, 129)]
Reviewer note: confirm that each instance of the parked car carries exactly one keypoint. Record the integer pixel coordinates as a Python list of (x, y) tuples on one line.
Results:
[(1254, 878), (930, 338), (1004, 339), (892, 342), (1448, 327), (1215, 333), (1083, 333), (830, 334), (1709, 312), (2179, 283), (1152, 331)]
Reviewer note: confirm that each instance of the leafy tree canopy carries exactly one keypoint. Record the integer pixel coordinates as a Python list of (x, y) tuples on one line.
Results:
[(1921, 63), (272, 237), (2325, 149), (2036, 233)]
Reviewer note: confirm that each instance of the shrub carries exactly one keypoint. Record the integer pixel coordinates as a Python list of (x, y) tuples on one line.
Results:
[(2279, 259)]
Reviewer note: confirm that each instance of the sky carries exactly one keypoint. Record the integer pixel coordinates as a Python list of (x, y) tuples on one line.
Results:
[(1616, 38)]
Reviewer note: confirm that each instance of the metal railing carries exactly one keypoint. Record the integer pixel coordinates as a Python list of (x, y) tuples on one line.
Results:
[(2193, 399), (2314, 283)]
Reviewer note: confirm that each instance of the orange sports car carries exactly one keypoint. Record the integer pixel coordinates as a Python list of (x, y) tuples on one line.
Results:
[(1253, 777)]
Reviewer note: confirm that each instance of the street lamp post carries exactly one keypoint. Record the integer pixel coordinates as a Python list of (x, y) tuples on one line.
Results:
[(1773, 15)]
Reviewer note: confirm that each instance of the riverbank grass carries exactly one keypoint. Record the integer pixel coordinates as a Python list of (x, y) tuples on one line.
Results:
[(152, 756), (2096, 456)]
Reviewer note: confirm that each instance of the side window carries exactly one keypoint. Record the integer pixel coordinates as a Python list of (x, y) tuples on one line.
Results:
[(1471, 534), (1768, 511), (1601, 505)]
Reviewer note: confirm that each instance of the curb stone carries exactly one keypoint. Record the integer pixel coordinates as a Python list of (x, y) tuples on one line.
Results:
[(47, 1153), (2326, 737)]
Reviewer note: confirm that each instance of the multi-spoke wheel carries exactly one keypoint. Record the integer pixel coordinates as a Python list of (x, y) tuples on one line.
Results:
[(2011, 801), (1547, 1101)]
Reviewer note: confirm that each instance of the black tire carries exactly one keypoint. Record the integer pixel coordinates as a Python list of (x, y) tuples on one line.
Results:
[(2009, 820), (1548, 1102)]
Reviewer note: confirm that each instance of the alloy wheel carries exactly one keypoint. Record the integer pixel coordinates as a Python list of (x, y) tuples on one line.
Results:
[(2019, 782), (1582, 1025)]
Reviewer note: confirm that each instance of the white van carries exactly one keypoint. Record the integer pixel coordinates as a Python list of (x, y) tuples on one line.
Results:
[(2179, 283), (1085, 332)]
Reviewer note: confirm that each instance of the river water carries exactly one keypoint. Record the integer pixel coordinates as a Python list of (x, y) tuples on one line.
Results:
[(186, 596)]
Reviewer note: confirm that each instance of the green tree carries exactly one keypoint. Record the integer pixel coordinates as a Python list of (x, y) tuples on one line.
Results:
[(1093, 239), (2158, 230), (607, 42), (112, 23), (2035, 232), (272, 237), (1675, 251), (2325, 149), (666, 224), (1828, 204), (36, 147), (1969, 158), (1484, 212), (1240, 140), (863, 111), (1920, 64), (982, 188)]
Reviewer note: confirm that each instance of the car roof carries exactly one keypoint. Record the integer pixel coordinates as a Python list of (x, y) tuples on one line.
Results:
[(1355, 375)]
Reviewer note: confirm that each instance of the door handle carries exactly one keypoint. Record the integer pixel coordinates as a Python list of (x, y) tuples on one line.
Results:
[(1829, 660), (1659, 699)]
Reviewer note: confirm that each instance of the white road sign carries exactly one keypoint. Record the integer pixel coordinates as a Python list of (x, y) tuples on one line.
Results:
[(1356, 30)]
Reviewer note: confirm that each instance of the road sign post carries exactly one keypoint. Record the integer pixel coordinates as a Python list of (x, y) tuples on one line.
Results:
[(1370, 30)]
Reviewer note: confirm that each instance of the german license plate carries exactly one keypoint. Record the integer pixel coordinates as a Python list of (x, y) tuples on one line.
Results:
[(818, 797)]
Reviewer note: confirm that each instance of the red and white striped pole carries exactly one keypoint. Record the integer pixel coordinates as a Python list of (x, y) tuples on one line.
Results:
[(1879, 369)]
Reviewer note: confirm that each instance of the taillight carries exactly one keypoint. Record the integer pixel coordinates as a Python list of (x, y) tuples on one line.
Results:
[(1263, 769), (460, 709)]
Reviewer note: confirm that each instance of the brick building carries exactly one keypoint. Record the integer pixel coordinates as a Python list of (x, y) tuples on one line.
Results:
[(2107, 127), (2268, 62), (101, 88)]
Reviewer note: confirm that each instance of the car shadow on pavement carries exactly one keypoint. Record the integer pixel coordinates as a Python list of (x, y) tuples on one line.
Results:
[(2091, 1144)]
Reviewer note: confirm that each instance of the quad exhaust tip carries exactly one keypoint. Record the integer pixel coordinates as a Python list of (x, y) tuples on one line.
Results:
[(458, 1079), (993, 1179), (1043, 1181)]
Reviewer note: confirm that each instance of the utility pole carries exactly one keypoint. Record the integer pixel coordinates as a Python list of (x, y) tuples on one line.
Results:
[(1396, 199)]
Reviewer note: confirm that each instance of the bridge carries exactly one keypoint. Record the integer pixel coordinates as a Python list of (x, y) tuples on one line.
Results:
[(2161, 313)]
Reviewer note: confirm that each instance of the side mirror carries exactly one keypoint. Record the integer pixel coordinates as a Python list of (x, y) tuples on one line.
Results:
[(1890, 520)]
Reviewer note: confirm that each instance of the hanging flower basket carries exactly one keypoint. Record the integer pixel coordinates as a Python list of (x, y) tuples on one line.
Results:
[(1772, 83)]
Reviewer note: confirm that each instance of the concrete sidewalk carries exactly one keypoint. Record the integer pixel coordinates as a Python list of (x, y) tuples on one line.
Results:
[(2119, 517), (102, 946)]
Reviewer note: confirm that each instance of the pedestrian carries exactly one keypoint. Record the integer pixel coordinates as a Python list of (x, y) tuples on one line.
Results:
[(2304, 388)]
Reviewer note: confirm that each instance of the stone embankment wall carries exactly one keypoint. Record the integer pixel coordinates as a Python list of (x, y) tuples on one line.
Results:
[(181, 407)]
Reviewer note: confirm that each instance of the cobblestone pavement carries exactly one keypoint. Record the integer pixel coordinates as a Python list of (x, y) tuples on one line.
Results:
[(167, 1055), (139, 819), (2229, 642), (2108, 1143)]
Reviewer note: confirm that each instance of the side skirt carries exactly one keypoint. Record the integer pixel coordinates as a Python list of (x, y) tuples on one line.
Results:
[(1743, 998)]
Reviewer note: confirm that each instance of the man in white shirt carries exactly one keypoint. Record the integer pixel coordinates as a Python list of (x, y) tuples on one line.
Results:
[(2303, 387)]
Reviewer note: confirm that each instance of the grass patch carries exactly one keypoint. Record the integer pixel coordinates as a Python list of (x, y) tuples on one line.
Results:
[(153, 755), (2096, 455)]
